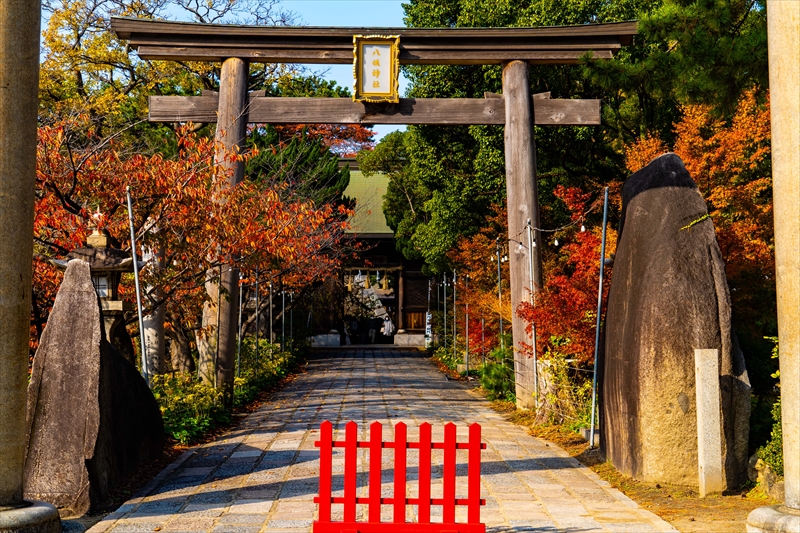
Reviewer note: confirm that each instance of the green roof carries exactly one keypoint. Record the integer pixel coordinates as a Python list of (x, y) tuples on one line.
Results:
[(368, 194)]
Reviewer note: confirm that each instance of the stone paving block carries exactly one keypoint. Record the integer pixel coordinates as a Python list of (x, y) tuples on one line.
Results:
[(235, 529), (246, 453), (195, 471), (157, 508), (627, 527), (183, 523), (242, 519), (533, 525), (207, 460), (287, 524), (213, 497), (135, 527), (229, 469), (251, 506), (207, 510)]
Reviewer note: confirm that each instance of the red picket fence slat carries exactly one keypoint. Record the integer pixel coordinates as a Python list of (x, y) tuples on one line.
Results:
[(399, 501)]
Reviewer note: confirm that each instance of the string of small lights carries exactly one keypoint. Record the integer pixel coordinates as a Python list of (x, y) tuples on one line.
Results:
[(597, 203)]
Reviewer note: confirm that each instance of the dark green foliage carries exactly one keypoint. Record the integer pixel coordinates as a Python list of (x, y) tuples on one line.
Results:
[(706, 51), (687, 51), (301, 86), (453, 175), (305, 165), (498, 381), (446, 357), (497, 377), (772, 453)]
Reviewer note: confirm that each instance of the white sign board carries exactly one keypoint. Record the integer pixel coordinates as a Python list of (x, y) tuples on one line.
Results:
[(376, 68)]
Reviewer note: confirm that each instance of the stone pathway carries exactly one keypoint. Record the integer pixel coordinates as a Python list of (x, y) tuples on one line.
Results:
[(263, 476)]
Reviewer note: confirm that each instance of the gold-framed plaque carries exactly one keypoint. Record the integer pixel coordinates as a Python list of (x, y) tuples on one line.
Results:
[(376, 68)]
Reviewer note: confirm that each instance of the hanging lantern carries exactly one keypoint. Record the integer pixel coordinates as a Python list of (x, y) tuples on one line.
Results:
[(556, 241), (385, 285)]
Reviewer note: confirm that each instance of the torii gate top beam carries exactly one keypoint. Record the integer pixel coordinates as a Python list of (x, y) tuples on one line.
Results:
[(183, 41)]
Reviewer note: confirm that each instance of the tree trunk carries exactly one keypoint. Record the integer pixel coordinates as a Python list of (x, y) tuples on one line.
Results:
[(181, 350), (153, 322), (206, 338)]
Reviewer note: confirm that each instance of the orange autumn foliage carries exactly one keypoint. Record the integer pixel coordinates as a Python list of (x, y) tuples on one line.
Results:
[(183, 208), (476, 255), (730, 162)]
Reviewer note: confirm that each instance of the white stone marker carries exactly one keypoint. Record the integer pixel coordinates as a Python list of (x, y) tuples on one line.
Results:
[(709, 421)]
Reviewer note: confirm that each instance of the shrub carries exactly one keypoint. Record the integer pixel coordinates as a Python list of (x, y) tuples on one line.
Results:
[(568, 392), (497, 377), (191, 408), (446, 357), (772, 452)]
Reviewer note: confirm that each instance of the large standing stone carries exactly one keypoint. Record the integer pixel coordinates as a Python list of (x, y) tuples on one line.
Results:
[(91, 417), (669, 295)]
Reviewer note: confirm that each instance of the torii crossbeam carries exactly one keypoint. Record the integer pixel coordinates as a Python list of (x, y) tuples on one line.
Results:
[(516, 108)]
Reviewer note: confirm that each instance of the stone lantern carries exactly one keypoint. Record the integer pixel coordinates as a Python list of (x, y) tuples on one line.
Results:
[(107, 265)]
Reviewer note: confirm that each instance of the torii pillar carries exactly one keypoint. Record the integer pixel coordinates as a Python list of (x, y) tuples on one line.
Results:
[(783, 31), (230, 138), (523, 205), (19, 81)]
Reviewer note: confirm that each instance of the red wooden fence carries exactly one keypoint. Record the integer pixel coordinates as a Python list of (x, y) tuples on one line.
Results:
[(375, 444)]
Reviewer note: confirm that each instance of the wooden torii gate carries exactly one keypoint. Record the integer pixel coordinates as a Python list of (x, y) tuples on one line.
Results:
[(514, 48)]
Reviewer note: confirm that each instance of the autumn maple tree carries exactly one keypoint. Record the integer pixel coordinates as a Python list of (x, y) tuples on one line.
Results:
[(565, 309), (183, 208)]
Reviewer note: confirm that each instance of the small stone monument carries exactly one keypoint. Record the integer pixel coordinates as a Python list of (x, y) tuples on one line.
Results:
[(668, 296), (91, 417)]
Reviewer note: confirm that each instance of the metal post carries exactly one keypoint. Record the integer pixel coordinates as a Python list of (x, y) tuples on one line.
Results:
[(500, 293), (291, 318), (483, 342), (145, 373), (258, 322), (283, 318), (219, 314), (599, 309), (531, 244), (271, 332), (239, 340), (455, 315), (466, 326), (444, 288)]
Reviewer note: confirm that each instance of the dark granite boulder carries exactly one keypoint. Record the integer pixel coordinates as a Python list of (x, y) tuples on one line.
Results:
[(91, 417), (668, 296)]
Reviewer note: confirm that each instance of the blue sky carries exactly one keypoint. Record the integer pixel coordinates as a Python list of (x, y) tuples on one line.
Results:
[(351, 13)]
